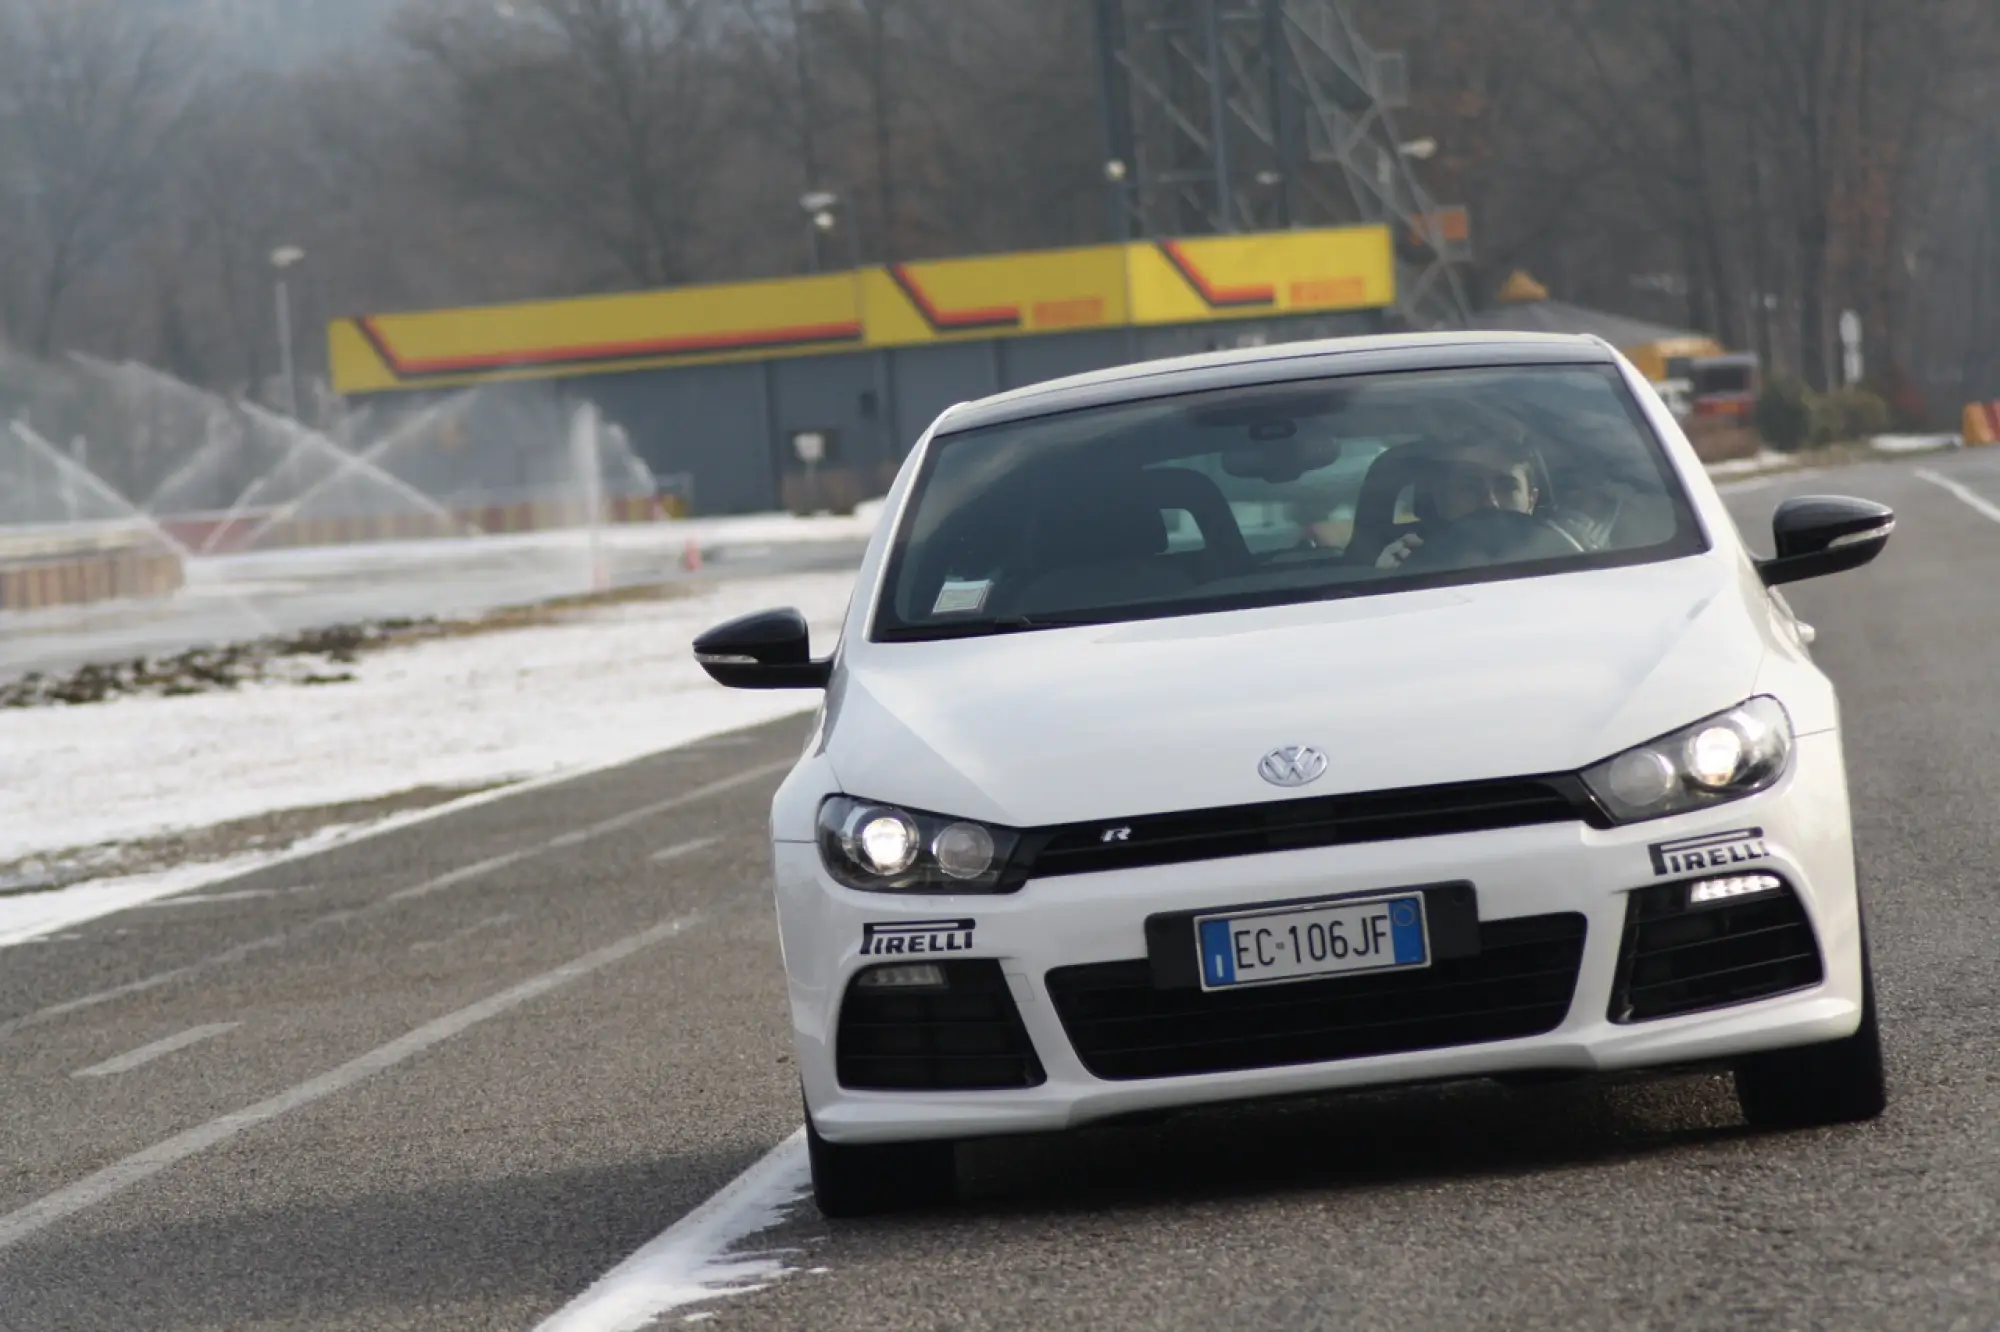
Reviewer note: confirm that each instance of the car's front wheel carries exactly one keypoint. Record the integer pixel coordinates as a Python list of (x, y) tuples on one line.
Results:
[(863, 1179), (1807, 1086)]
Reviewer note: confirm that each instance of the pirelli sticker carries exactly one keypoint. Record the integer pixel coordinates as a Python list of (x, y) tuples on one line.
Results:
[(1710, 851), (913, 938)]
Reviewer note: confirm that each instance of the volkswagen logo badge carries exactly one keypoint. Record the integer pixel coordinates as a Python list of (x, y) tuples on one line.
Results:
[(1294, 765)]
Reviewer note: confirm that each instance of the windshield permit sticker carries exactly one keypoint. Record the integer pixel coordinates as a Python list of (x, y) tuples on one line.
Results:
[(1717, 850), (962, 598)]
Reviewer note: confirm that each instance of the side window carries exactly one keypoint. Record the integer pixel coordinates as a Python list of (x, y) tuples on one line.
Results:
[(1337, 490), (1183, 532), (1266, 525)]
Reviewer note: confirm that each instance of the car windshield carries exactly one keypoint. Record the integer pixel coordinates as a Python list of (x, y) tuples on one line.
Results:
[(1280, 493)]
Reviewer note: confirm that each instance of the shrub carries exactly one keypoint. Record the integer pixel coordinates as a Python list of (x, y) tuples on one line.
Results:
[(1785, 413), (1908, 409), (1849, 414)]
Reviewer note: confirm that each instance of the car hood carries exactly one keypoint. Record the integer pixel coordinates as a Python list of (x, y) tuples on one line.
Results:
[(1497, 679)]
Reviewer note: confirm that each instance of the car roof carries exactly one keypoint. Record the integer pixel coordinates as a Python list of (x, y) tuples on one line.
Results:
[(1277, 363)]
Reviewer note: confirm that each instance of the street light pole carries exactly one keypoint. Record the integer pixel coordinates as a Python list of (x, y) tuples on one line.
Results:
[(818, 206), (282, 259), (853, 242)]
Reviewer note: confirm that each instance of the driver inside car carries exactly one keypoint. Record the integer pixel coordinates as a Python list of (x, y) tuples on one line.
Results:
[(1466, 479)]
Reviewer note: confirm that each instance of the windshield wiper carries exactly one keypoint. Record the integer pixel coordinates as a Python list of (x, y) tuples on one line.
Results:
[(992, 624)]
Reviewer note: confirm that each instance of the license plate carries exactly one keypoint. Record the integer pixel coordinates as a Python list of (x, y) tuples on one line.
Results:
[(1307, 942)]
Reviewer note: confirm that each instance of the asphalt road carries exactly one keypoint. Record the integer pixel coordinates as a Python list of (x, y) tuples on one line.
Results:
[(471, 1070)]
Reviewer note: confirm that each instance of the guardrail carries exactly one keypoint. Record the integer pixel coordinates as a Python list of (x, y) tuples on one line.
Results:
[(79, 563)]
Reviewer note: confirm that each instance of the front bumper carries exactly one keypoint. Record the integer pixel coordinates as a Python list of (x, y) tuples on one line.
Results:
[(1517, 872)]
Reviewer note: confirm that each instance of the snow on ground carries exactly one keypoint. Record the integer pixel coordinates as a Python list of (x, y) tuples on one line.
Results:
[(760, 529), (715, 536), (1757, 462), (610, 684), (231, 598), (1915, 443)]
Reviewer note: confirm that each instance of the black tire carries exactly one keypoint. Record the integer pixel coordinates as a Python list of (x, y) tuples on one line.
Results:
[(1810, 1086), (873, 1178)]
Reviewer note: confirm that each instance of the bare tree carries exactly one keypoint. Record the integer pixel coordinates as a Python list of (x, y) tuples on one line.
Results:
[(89, 95), (1756, 165), (592, 116)]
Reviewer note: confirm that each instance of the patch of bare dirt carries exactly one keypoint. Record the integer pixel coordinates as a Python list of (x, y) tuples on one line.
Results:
[(311, 657)]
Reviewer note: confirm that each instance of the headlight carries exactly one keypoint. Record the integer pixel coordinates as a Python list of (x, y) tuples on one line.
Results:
[(882, 849), (1726, 757)]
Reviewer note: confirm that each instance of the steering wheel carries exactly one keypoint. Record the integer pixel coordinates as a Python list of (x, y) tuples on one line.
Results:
[(1485, 536)]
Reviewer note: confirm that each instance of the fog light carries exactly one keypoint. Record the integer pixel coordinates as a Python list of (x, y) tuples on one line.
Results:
[(1721, 890), (906, 976)]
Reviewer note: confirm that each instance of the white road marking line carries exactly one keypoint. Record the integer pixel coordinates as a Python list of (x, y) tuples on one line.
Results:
[(588, 831), (227, 955), (240, 951), (409, 818), (1974, 500), (146, 1054), (679, 849), (397, 822), (456, 935), (197, 899), (743, 778), (239, 895), (460, 875), (689, 1261), (140, 1166)]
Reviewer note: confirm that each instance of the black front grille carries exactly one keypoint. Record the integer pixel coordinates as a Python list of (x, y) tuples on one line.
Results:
[(1519, 984), (1681, 959), (965, 1037), (1285, 825)]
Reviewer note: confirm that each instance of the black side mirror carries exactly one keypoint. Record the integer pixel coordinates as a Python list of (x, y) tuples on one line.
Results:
[(1824, 534), (766, 650)]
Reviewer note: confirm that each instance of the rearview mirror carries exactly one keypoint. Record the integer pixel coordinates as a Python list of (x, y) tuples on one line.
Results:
[(1824, 534), (766, 650)]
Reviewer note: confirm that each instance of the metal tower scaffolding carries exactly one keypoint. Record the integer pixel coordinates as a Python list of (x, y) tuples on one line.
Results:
[(1230, 115)]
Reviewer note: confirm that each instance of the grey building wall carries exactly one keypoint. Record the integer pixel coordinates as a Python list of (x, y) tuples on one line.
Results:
[(711, 424), (1025, 361), (836, 395), (930, 379)]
